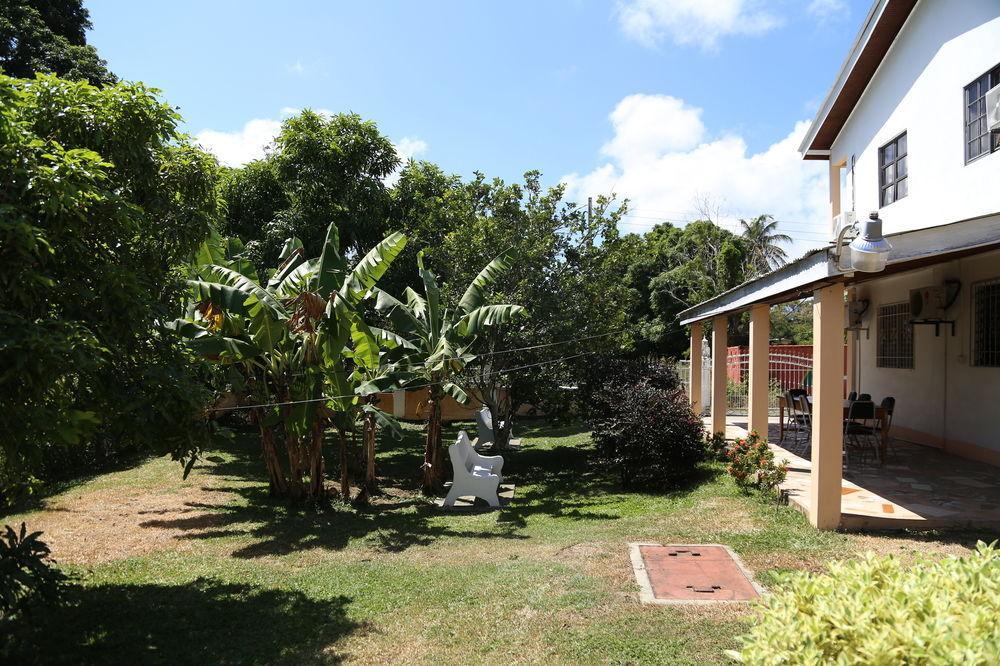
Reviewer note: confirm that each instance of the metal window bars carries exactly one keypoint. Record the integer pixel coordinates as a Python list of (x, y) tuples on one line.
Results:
[(895, 337), (986, 323)]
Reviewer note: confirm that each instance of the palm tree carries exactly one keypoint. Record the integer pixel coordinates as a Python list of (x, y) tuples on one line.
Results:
[(763, 243), (442, 342)]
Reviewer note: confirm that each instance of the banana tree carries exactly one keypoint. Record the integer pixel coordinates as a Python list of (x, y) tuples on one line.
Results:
[(289, 340), (443, 340)]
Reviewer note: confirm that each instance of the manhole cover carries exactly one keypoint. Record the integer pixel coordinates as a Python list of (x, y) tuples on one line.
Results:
[(685, 574)]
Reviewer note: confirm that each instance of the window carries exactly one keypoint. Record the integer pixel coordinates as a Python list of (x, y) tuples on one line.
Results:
[(986, 324), (979, 140), (895, 337), (892, 170)]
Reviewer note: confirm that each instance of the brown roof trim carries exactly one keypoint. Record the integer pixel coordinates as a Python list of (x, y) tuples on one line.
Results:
[(889, 23)]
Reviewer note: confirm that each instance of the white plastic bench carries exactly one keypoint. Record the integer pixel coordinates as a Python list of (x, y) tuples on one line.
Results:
[(475, 475)]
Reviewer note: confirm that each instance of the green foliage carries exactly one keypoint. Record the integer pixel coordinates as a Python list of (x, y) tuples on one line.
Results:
[(791, 323), (676, 268), (763, 245), (716, 446), (752, 465), (102, 199), (25, 572), (876, 611), (49, 37), (323, 169), (643, 426)]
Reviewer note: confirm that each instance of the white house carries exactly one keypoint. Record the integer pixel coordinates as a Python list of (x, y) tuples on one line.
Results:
[(910, 139)]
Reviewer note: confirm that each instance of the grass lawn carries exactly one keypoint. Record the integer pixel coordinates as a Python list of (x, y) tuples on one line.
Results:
[(209, 570)]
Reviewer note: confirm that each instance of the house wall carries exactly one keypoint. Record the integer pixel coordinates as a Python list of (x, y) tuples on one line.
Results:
[(944, 401), (919, 89)]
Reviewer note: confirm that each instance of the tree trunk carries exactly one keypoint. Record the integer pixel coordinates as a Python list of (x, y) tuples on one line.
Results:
[(345, 474), (317, 471), (277, 486), (433, 472), (370, 429)]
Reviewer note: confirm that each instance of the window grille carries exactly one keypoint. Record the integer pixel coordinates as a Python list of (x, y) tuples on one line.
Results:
[(986, 324), (895, 336)]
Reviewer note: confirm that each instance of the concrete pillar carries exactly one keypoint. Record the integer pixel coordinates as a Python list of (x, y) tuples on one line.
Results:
[(720, 326), (694, 384), (760, 336), (828, 407)]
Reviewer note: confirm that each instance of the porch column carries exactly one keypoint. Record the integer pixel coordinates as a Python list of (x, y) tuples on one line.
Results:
[(694, 382), (760, 335), (828, 407), (720, 325)]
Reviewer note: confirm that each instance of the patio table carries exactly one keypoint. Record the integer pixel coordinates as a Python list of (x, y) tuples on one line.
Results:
[(880, 415)]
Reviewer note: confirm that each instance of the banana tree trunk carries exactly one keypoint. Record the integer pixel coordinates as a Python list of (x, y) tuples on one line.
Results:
[(317, 471), (371, 484), (277, 486), (433, 459), (345, 474)]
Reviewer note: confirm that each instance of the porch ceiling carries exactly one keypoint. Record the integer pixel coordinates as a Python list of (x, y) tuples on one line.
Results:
[(910, 250)]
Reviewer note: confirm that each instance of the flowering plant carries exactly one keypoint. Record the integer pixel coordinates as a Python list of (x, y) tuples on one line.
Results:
[(752, 465)]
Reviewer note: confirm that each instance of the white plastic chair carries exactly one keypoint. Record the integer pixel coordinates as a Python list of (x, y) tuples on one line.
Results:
[(474, 474), (484, 427)]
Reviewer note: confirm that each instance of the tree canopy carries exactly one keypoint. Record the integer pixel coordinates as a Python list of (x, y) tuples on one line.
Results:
[(49, 37)]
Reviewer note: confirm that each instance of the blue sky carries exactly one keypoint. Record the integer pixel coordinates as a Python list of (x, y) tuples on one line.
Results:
[(675, 104)]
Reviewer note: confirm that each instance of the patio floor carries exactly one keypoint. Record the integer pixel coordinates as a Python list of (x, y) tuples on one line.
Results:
[(918, 487)]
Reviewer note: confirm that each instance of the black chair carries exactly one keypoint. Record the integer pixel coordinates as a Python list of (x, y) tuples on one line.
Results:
[(865, 397), (861, 431), (888, 406), (852, 396)]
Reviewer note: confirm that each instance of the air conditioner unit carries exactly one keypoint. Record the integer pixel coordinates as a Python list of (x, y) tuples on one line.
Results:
[(840, 222), (993, 108), (928, 302)]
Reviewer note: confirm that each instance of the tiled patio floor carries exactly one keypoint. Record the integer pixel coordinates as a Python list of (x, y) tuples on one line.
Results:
[(918, 487)]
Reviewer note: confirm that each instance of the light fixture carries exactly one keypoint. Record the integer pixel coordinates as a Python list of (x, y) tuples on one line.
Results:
[(869, 248)]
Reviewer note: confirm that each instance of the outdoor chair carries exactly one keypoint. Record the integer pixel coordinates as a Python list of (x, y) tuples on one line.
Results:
[(861, 431), (852, 396), (864, 397), (797, 420), (474, 474), (888, 406), (805, 417), (484, 427)]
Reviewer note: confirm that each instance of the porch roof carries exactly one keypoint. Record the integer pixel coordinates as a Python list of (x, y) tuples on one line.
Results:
[(910, 250)]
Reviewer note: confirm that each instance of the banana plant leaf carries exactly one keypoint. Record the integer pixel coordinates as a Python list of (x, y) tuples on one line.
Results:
[(488, 315), (475, 294)]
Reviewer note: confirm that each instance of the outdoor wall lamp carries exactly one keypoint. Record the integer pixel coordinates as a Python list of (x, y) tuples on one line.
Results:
[(869, 248)]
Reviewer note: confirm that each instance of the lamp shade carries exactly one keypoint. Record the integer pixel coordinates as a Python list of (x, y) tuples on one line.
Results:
[(870, 249)]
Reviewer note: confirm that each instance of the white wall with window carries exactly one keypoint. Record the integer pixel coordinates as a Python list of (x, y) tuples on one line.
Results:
[(949, 396), (921, 94)]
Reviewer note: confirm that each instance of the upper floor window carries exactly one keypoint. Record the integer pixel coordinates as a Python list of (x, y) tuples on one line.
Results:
[(892, 170), (979, 140)]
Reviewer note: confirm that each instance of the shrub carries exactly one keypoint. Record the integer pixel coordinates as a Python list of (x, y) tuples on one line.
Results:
[(643, 426), (25, 571), (876, 611), (715, 446), (751, 463)]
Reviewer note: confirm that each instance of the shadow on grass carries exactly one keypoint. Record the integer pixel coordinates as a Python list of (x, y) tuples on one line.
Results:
[(564, 482), (201, 622)]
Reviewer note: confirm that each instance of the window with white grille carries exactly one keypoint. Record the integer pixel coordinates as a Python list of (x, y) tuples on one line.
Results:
[(895, 336), (986, 324)]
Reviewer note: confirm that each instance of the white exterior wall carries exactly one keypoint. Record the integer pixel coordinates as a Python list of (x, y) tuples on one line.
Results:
[(944, 400), (919, 88)]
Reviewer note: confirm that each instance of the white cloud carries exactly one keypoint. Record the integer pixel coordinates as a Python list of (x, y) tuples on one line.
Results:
[(407, 148), (700, 22), (666, 175), (297, 68), (827, 10), (243, 145)]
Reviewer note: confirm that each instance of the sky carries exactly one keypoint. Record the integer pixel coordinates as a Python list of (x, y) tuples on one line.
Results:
[(679, 106)]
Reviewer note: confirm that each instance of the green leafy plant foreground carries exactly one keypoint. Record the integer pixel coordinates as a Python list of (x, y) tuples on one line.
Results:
[(876, 611)]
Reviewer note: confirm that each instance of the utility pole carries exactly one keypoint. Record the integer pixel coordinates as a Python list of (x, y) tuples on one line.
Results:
[(590, 209)]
